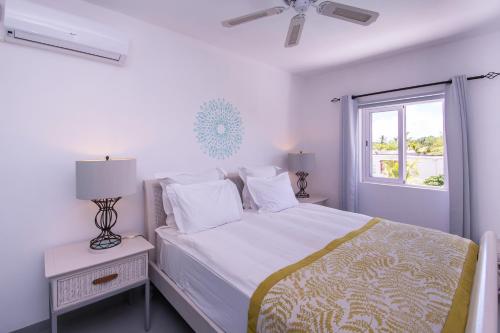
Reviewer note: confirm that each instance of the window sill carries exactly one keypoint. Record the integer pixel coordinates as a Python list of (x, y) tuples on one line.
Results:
[(412, 187)]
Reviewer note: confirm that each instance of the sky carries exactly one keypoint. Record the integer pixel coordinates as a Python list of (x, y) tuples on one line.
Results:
[(422, 119)]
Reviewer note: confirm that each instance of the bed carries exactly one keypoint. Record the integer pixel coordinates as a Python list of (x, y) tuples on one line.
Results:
[(212, 298)]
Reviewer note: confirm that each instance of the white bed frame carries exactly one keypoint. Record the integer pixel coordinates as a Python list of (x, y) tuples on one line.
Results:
[(482, 317)]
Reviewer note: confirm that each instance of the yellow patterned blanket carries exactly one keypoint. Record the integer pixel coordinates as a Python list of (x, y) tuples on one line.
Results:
[(384, 277)]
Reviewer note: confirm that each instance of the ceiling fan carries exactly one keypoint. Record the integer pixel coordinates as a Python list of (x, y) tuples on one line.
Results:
[(327, 8)]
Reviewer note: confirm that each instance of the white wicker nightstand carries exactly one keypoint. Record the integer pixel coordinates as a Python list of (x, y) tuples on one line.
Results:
[(79, 276), (314, 199), (498, 264)]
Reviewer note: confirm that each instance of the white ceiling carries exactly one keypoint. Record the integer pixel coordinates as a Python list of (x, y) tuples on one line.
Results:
[(326, 42)]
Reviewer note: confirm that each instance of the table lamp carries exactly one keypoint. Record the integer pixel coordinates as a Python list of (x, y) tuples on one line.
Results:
[(104, 182), (302, 164)]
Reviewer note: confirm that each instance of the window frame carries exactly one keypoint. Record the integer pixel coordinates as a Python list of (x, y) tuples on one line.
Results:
[(366, 110)]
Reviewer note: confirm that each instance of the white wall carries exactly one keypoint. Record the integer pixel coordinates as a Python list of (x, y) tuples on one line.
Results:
[(320, 128), (56, 109)]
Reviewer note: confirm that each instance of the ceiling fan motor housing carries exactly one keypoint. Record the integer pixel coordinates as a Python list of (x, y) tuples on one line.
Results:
[(301, 6)]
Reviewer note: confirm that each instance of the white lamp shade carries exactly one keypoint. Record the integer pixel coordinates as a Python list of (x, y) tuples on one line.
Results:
[(105, 179), (305, 162)]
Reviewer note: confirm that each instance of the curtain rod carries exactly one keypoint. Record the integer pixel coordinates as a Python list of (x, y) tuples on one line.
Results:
[(490, 75)]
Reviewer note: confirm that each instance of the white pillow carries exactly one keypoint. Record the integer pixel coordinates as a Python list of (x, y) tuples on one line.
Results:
[(170, 221), (244, 172), (185, 179), (202, 206), (193, 177), (272, 194)]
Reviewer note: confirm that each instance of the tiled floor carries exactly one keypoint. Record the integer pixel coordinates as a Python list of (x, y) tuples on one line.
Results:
[(118, 315)]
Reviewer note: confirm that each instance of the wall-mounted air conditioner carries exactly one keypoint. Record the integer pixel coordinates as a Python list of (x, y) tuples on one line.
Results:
[(31, 24)]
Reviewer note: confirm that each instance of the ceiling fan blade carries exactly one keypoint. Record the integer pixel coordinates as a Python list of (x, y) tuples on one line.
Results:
[(253, 16), (295, 30), (347, 13)]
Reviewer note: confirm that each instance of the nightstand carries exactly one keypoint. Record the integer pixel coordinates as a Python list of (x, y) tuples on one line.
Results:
[(79, 276), (498, 265), (314, 199)]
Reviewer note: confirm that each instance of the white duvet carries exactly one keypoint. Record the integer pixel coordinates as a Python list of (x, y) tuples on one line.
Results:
[(242, 254)]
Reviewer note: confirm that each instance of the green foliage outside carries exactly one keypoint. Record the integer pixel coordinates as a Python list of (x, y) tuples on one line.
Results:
[(428, 145), (434, 180), (385, 145), (391, 169)]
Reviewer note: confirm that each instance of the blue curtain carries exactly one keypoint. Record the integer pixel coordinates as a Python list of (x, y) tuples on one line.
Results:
[(349, 155), (457, 151)]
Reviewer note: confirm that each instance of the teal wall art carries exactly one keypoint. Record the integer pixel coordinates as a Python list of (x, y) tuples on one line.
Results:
[(219, 129)]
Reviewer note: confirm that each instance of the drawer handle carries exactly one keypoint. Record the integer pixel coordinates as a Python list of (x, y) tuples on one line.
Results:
[(105, 279)]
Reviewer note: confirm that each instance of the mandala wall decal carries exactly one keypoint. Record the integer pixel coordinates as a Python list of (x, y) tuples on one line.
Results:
[(219, 129)]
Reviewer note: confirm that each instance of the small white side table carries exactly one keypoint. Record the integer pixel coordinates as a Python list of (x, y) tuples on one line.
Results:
[(314, 199), (498, 264), (79, 276)]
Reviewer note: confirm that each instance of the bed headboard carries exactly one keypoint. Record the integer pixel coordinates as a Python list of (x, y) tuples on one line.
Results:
[(153, 208)]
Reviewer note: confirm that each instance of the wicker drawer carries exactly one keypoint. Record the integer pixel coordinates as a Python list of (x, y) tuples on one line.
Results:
[(96, 281)]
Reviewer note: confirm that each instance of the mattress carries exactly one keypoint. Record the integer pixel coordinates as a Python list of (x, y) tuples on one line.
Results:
[(220, 268)]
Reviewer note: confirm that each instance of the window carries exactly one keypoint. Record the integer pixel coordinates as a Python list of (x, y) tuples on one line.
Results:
[(403, 143)]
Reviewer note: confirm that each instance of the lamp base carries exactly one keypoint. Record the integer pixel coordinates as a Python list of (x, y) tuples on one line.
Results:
[(105, 219), (106, 240), (302, 195), (302, 185)]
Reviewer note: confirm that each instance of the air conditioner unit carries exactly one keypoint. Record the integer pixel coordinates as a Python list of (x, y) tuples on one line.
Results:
[(31, 24)]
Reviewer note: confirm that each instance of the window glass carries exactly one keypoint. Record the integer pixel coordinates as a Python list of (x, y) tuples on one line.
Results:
[(425, 144), (384, 144), (405, 136)]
